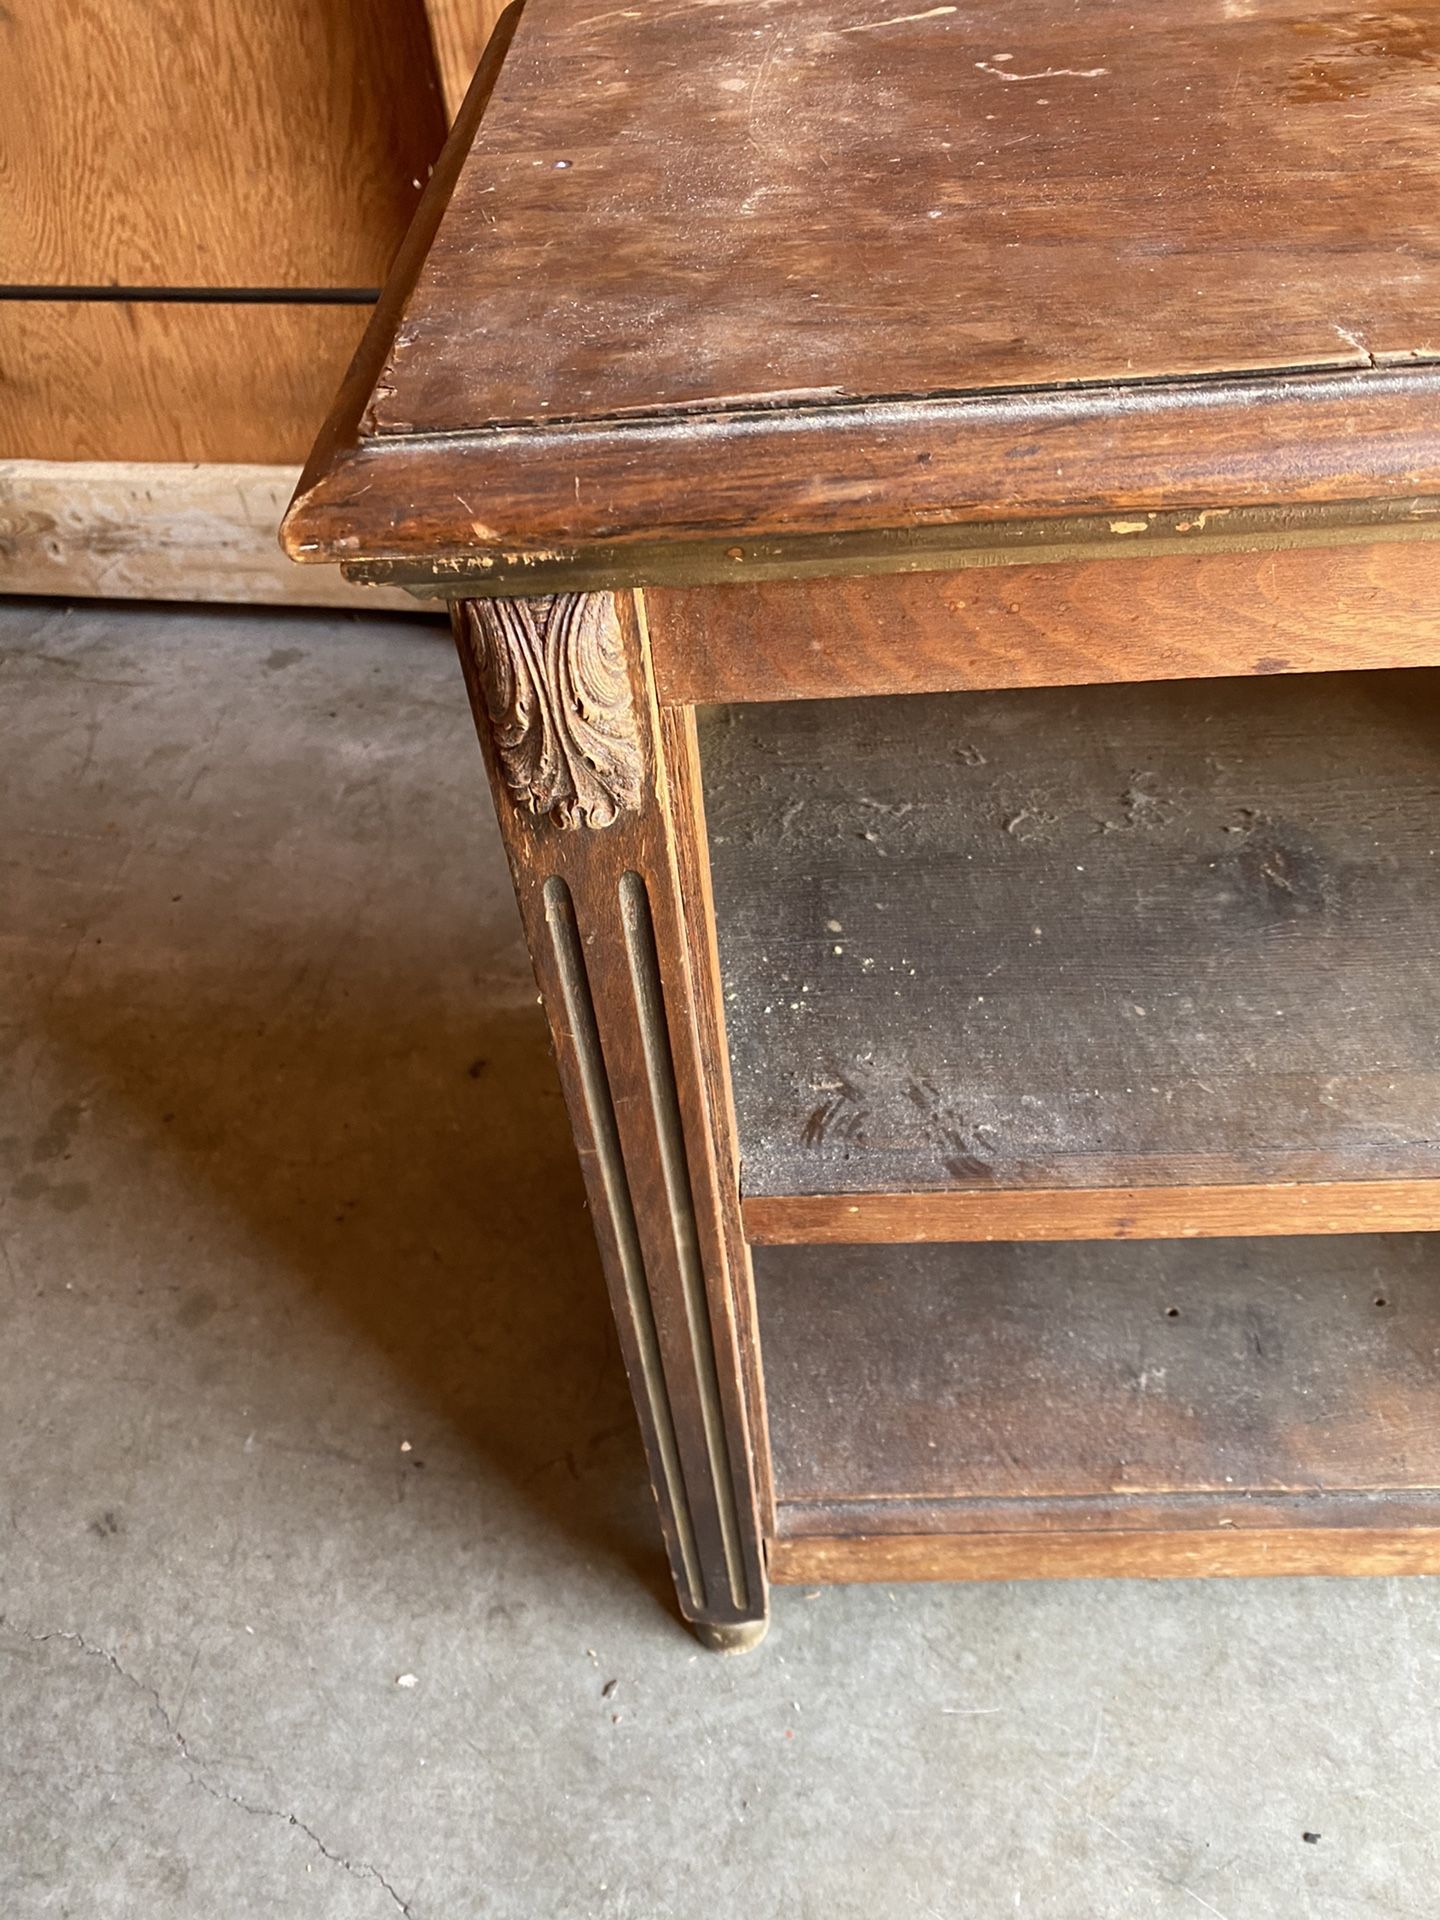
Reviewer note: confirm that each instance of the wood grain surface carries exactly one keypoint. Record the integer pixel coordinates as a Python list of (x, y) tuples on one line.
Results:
[(1176, 616), (680, 751), (796, 202), (458, 32), (329, 456), (167, 143), (1138, 1553), (905, 278), (161, 530), (1151, 935), (1051, 1393), (853, 482), (1106, 1213), (155, 380)]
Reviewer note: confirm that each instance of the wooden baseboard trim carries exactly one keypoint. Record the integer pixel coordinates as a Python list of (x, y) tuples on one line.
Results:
[(161, 530)]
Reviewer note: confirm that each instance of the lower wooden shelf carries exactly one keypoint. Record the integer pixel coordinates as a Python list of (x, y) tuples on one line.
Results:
[(1171, 1407)]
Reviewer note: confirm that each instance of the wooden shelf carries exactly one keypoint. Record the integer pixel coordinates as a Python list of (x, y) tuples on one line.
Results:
[(1225, 1407), (1102, 960)]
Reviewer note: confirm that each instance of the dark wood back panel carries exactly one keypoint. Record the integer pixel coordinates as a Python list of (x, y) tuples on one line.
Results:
[(1161, 934)]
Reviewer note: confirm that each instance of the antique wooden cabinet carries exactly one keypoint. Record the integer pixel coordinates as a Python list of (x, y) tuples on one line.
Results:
[(940, 508)]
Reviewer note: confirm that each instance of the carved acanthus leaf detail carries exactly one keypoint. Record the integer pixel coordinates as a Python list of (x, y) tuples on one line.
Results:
[(562, 713)]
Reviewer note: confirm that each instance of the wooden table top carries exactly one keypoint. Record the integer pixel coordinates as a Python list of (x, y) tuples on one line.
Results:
[(788, 270)]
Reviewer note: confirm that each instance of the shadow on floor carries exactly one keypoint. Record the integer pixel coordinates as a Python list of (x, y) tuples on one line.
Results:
[(410, 1165)]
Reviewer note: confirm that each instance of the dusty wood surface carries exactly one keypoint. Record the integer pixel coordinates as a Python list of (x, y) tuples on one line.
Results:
[(197, 143), (1172, 617), (1094, 1388), (1079, 1213), (152, 381), (1111, 936), (908, 276), (802, 202), (165, 531)]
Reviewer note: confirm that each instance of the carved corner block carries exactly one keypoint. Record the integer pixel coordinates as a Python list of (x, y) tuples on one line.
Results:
[(557, 689)]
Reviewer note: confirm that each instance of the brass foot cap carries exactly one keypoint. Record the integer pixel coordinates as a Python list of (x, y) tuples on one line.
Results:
[(738, 1636)]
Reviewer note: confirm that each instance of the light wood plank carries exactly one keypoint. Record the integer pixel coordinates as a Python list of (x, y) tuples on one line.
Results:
[(200, 143), (1120, 1555), (1113, 1213), (161, 531), (118, 380), (458, 32)]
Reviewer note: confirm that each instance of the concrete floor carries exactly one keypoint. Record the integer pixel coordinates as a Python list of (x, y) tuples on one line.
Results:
[(330, 1584)]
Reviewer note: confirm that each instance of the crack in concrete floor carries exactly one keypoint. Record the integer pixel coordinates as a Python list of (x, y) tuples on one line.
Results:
[(360, 1869)]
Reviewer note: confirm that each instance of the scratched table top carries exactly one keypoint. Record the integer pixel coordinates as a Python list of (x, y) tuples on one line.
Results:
[(735, 225)]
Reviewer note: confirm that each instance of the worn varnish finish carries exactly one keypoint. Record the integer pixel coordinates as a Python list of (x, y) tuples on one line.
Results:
[(796, 203), (1161, 1408), (1171, 617), (827, 269), (1116, 936), (946, 546), (592, 850), (680, 750), (862, 474)]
